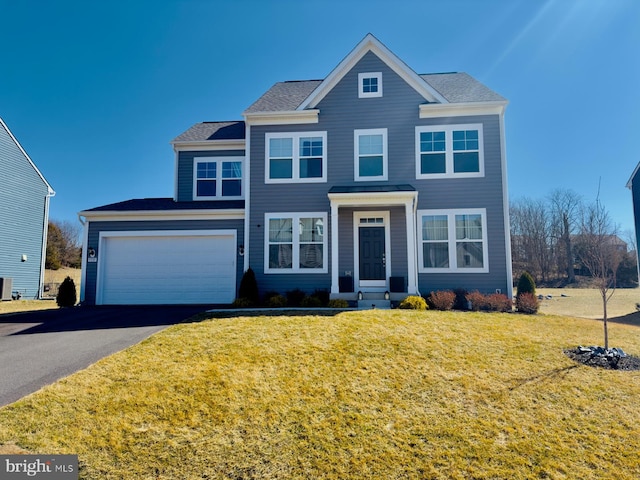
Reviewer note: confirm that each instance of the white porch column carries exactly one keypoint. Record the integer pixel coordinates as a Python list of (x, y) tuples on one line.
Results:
[(335, 274), (412, 261)]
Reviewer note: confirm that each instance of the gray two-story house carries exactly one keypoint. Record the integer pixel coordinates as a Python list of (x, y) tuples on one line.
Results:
[(374, 179), (24, 216)]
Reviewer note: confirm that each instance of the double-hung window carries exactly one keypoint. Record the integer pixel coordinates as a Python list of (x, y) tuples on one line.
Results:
[(217, 177), (453, 241), (296, 156), (370, 160), (449, 151), (295, 243)]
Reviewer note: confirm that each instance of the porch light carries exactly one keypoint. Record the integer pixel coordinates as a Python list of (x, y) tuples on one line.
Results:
[(386, 295), (360, 296), (241, 250)]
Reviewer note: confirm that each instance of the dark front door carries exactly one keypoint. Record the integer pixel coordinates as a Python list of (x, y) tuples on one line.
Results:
[(372, 258)]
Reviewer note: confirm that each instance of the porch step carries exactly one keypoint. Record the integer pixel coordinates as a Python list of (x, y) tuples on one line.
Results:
[(370, 304)]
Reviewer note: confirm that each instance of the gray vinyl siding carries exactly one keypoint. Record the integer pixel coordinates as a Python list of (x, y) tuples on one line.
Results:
[(22, 218), (185, 169), (635, 194), (342, 112), (95, 227)]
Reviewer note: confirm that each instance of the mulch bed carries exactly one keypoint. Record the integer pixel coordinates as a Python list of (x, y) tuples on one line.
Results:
[(628, 362)]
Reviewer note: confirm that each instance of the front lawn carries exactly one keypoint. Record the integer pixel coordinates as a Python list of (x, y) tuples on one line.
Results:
[(367, 394)]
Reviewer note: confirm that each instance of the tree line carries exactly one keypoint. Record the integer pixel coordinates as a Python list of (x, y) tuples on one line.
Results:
[(552, 239), (63, 245)]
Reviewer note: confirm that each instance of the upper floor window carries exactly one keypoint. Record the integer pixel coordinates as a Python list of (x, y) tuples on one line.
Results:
[(369, 85), (296, 156), (370, 160), (217, 177), (449, 151), (453, 241)]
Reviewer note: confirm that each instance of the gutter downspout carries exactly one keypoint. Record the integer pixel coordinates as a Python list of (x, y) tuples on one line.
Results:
[(415, 233), (83, 258), (45, 234)]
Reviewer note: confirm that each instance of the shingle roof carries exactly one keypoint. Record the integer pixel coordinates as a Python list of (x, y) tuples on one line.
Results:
[(284, 96), (461, 88), (233, 130), (159, 204)]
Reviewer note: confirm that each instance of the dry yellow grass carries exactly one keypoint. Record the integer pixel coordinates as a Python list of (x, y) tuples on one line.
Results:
[(587, 302), (16, 306), (374, 394), (57, 276)]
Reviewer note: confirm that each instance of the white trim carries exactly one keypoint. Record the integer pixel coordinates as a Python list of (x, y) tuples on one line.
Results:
[(208, 145), (247, 203), (176, 162), (282, 118), (160, 215), (83, 260), (505, 207), (371, 44), (451, 240), (629, 184), (367, 75), (295, 167), (356, 155), (433, 110), (295, 241), (371, 285), (219, 179), (449, 152), (149, 233)]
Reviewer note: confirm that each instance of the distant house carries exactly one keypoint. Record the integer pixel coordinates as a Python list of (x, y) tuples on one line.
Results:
[(634, 185), (24, 218), (375, 180)]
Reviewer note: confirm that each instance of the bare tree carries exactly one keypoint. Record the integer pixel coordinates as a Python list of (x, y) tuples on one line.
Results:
[(531, 236), (565, 214), (597, 250)]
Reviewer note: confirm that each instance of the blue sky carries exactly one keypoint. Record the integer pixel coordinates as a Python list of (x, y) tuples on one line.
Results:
[(95, 91)]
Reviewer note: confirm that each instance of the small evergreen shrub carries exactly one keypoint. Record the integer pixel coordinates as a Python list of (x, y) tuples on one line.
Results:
[(442, 300), (323, 296), (277, 301), (311, 302), (67, 293), (295, 297), (242, 302), (413, 302), (338, 303), (477, 300), (498, 302), (461, 302), (527, 303), (249, 287), (526, 284), (267, 297)]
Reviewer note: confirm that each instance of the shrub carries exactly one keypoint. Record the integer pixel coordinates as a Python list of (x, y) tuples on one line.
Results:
[(67, 293), (249, 287), (277, 301), (295, 297), (413, 302), (338, 303), (461, 302), (527, 303), (477, 300), (242, 302), (526, 284), (311, 302), (267, 297), (442, 300), (498, 302), (323, 296)]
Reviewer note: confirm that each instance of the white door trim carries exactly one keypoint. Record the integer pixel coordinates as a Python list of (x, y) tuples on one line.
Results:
[(371, 285)]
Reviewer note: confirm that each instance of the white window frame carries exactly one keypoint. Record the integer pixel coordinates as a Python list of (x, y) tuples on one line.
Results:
[(449, 152), (295, 168), (356, 149), (295, 263), (452, 241), (362, 77), (219, 161)]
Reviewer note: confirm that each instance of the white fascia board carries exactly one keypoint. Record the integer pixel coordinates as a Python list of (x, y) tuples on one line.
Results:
[(371, 198), (630, 182), (208, 145), (431, 110), (372, 44), (51, 192), (294, 117), (168, 215)]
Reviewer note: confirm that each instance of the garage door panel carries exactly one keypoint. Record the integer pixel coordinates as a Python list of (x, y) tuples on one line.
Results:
[(168, 269)]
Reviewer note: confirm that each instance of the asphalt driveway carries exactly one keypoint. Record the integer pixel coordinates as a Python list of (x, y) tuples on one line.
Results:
[(38, 348)]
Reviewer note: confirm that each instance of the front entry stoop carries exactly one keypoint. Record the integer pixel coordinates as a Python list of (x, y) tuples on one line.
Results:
[(370, 304)]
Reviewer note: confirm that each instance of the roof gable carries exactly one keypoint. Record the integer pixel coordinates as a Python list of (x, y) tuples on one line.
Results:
[(372, 44), (633, 175)]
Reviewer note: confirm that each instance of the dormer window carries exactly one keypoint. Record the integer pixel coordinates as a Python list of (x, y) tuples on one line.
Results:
[(370, 85)]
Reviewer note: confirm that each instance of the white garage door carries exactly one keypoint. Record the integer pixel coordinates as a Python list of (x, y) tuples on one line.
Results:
[(167, 268)]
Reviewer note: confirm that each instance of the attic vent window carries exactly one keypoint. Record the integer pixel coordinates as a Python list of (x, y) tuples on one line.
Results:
[(370, 85)]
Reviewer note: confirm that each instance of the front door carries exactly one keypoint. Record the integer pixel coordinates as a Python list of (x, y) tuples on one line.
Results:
[(372, 254)]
